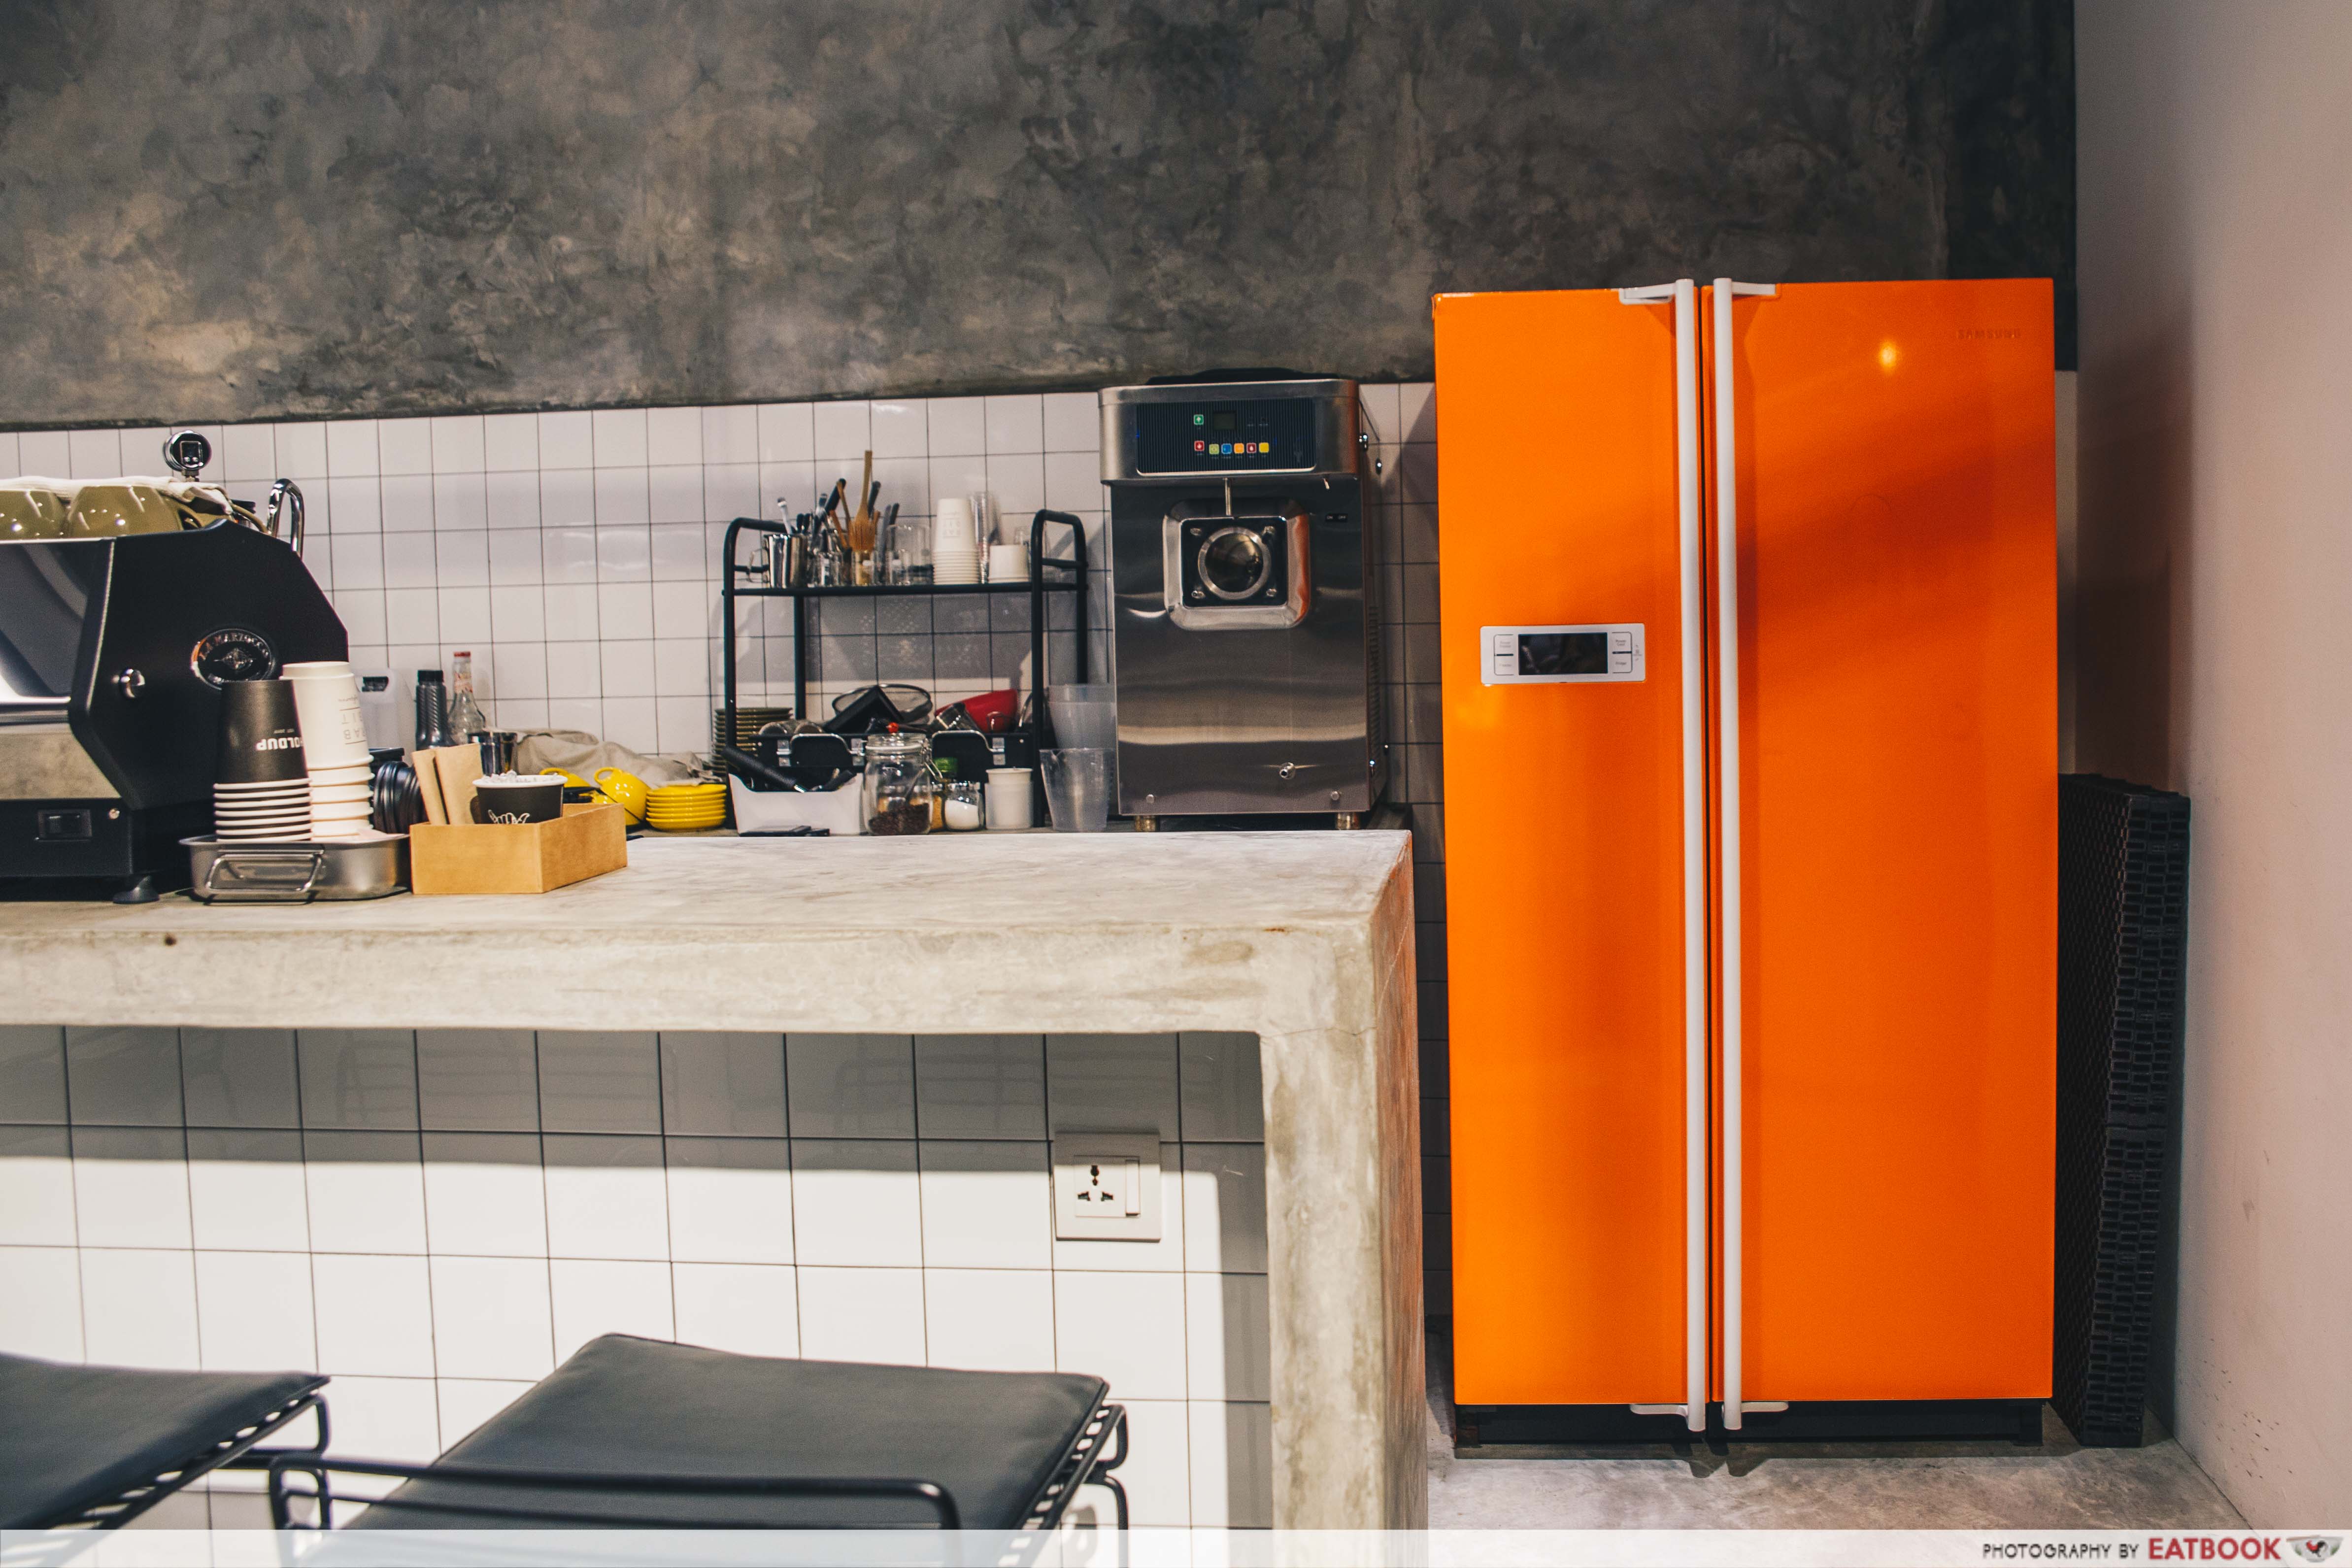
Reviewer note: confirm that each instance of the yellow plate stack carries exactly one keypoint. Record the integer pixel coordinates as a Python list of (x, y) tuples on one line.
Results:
[(686, 808)]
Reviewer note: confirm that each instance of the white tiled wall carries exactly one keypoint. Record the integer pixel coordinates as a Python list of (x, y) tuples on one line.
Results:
[(576, 556), (399, 1209)]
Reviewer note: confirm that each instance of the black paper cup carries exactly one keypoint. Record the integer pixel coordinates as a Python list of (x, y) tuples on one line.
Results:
[(260, 738), (531, 801)]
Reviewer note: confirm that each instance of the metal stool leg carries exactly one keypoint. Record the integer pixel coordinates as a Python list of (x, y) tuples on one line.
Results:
[(1103, 1468)]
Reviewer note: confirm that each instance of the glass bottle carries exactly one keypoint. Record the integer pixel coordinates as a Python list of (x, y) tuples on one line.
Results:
[(465, 718), (963, 809), (899, 788)]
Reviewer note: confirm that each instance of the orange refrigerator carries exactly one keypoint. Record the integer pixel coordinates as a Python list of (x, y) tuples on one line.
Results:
[(1748, 604)]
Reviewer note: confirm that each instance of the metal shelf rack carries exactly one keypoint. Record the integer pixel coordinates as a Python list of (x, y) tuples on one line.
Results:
[(1074, 582)]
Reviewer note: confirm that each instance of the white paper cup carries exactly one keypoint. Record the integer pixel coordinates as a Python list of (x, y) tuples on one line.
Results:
[(1009, 804), (327, 707), (340, 794), (1008, 563), (951, 525)]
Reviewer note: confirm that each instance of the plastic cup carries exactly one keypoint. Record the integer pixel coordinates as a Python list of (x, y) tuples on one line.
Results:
[(1077, 789), (1086, 718)]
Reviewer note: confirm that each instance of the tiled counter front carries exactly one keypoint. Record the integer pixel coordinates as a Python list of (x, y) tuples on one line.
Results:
[(438, 1217)]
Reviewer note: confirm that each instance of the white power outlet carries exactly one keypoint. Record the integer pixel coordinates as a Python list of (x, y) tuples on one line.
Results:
[(1106, 1187), (1110, 1190)]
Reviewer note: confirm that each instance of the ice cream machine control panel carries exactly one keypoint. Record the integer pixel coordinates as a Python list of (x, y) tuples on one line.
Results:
[(1511, 655)]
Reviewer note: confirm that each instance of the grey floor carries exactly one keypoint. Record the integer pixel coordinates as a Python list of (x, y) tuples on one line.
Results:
[(1889, 1485)]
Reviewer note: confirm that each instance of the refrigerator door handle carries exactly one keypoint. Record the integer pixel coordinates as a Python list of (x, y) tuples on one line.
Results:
[(1684, 293), (1727, 587)]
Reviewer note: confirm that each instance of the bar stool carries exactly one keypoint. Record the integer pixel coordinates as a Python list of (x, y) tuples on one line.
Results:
[(629, 1432)]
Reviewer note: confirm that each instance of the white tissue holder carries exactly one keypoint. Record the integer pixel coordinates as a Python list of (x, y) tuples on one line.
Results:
[(767, 811)]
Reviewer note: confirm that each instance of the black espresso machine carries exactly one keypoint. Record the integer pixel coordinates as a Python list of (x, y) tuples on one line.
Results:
[(112, 651)]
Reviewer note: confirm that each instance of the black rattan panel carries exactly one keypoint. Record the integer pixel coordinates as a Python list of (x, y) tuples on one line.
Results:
[(2123, 919)]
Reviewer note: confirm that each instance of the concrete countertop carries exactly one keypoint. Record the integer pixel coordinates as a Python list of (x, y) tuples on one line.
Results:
[(1304, 938), (938, 934)]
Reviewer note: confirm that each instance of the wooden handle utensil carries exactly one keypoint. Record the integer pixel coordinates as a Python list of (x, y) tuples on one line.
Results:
[(861, 526)]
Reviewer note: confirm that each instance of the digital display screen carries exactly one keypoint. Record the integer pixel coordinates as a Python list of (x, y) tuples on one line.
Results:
[(1563, 653), (1197, 437)]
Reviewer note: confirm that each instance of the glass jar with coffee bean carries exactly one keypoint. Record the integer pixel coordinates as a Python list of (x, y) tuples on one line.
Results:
[(899, 789)]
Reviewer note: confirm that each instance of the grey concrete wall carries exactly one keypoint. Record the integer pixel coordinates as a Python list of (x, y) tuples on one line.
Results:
[(215, 210)]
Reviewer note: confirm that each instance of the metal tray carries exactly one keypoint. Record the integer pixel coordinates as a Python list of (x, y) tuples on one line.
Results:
[(297, 871)]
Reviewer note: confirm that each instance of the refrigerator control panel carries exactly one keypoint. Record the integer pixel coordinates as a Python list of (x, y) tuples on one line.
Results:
[(1511, 655)]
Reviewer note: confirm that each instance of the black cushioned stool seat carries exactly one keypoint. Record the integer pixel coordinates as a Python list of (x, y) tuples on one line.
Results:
[(76, 1438), (622, 1406)]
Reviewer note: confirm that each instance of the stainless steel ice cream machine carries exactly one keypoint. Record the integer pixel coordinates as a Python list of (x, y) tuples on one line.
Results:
[(1246, 597)]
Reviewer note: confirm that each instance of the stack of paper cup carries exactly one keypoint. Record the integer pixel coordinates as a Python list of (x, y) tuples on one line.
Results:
[(955, 543), (1008, 563), (258, 788), (334, 744)]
